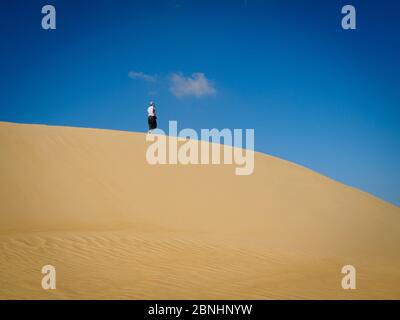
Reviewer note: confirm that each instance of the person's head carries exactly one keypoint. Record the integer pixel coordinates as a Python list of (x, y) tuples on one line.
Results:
[(152, 103)]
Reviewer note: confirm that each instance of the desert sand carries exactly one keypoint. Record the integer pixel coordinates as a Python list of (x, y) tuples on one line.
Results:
[(115, 227)]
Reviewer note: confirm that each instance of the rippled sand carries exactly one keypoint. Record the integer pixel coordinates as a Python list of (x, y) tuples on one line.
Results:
[(115, 227)]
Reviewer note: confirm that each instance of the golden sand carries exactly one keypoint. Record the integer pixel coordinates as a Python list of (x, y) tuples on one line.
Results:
[(115, 227)]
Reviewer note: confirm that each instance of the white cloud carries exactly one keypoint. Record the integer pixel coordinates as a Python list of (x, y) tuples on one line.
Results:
[(197, 85), (141, 76)]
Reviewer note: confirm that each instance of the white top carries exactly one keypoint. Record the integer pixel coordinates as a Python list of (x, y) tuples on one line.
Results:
[(151, 111)]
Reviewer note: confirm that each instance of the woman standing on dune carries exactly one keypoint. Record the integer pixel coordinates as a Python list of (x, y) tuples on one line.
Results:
[(152, 118)]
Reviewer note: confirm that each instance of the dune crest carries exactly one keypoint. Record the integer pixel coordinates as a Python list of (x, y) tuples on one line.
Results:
[(116, 227)]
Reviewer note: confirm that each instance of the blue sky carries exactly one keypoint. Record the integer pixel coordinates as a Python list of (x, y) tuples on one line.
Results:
[(317, 95)]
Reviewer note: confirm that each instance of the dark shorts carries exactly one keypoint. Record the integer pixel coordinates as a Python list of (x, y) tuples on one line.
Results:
[(152, 122)]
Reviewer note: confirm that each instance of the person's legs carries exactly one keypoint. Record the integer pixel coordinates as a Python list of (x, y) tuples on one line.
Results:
[(152, 123)]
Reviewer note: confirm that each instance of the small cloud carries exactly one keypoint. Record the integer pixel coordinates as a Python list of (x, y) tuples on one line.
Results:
[(141, 76), (197, 85)]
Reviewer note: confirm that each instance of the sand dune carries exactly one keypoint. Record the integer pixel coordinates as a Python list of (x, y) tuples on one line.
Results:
[(87, 202)]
